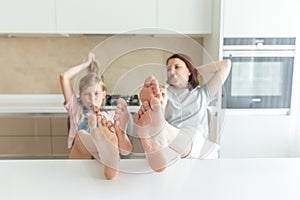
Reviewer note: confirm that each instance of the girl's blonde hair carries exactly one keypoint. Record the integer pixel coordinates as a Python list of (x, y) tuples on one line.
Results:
[(92, 78)]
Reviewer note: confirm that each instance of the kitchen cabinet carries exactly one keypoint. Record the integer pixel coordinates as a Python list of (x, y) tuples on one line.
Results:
[(107, 17), (260, 18), (31, 136), (189, 17), (59, 135), (30, 16), (104, 17)]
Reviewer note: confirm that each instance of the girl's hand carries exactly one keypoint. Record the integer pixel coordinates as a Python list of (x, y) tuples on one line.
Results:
[(90, 59)]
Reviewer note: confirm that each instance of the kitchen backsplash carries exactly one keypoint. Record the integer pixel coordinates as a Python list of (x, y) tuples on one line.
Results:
[(31, 65)]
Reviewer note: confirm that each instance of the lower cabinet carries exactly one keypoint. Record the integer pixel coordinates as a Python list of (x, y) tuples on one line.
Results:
[(42, 137), (33, 137)]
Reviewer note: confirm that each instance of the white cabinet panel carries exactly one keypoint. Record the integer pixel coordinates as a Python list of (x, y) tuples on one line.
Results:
[(191, 16), (260, 18), (30, 16), (103, 16)]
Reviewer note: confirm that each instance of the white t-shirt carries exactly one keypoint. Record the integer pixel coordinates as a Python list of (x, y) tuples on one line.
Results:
[(187, 110)]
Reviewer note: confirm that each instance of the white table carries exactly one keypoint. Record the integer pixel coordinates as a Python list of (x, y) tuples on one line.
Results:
[(227, 179)]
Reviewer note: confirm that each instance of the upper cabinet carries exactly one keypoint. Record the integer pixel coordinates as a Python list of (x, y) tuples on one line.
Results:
[(260, 18), (190, 17), (104, 17), (30, 16)]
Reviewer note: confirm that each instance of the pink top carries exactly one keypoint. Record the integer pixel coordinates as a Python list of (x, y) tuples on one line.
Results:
[(75, 111)]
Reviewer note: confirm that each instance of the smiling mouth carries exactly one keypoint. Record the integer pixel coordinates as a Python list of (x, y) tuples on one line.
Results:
[(171, 78)]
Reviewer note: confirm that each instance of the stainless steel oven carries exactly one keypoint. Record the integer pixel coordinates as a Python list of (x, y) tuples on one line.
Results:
[(261, 74)]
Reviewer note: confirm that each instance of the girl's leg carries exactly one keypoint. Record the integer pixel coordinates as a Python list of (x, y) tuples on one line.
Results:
[(78, 150)]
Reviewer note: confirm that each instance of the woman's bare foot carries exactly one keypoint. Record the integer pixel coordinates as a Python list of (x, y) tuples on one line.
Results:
[(106, 142), (153, 89), (150, 89), (150, 124), (121, 119)]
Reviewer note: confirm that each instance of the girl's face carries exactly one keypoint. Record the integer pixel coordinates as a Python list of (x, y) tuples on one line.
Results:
[(177, 73), (92, 95)]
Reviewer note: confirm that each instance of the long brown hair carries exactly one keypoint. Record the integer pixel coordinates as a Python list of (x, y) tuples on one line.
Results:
[(195, 78)]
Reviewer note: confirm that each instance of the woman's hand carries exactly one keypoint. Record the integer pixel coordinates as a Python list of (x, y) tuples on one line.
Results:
[(164, 97)]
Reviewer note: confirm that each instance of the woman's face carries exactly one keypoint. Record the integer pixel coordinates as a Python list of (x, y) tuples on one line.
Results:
[(92, 95), (177, 73)]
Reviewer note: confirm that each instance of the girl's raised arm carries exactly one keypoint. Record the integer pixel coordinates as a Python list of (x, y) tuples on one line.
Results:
[(67, 76)]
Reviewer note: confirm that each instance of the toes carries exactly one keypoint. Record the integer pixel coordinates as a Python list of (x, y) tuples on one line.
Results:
[(103, 121), (122, 102), (155, 104), (149, 80), (117, 123), (137, 116), (146, 106), (140, 112), (116, 116), (110, 126)]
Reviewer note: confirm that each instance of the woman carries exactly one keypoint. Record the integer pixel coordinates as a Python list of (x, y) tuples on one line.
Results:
[(184, 104)]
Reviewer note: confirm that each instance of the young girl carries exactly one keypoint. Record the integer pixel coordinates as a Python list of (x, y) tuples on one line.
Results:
[(91, 136)]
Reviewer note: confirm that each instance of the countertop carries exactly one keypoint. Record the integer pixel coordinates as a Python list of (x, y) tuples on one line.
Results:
[(224, 179), (23, 104), (38, 104)]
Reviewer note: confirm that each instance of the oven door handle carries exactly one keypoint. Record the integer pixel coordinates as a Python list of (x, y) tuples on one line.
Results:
[(259, 54)]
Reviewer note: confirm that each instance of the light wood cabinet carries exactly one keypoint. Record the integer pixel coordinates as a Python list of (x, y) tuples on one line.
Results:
[(26, 137), (59, 135), (24, 146)]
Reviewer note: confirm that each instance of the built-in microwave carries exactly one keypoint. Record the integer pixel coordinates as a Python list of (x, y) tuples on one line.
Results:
[(261, 74)]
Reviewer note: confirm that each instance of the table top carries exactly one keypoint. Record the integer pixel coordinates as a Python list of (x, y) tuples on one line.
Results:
[(185, 179)]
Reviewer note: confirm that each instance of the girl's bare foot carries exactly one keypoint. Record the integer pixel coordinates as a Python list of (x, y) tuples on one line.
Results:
[(87, 144), (106, 141), (150, 124), (121, 119), (121, 116)]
